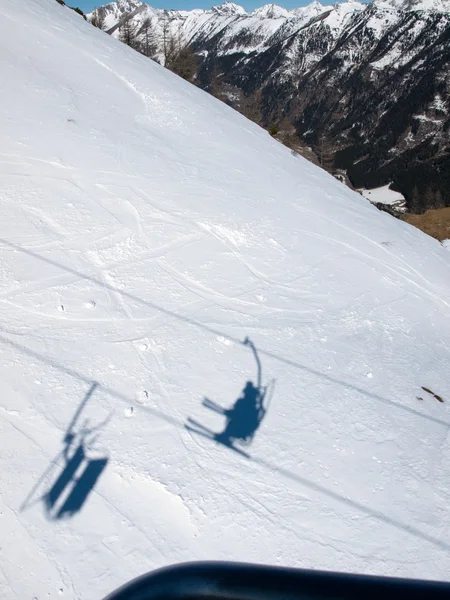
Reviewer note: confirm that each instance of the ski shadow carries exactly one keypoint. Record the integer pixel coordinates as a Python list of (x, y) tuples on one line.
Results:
[(80, 473), (243, 419)]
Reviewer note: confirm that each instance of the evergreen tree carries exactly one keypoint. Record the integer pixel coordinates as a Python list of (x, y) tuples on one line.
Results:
[(184, 63), (215, 85), (325, 152), (415, 203)]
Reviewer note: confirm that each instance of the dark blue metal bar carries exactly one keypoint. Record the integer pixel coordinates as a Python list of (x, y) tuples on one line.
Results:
[(233, 581)]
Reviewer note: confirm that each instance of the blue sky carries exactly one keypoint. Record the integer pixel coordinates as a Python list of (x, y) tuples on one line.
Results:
[(249, 5)]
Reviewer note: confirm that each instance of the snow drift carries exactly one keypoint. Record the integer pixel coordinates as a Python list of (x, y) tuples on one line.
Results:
[(147, 231)]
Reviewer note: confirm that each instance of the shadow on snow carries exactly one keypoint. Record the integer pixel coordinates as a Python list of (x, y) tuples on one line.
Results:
[(245, 416), (325, 492), (170, 313), (76, 480)]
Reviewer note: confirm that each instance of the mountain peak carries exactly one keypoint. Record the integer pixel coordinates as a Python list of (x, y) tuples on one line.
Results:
[(311, 10), (271, 11), (127, 5), (229, 9)]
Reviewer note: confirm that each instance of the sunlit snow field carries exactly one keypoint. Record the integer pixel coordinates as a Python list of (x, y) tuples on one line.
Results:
[(147, 231)]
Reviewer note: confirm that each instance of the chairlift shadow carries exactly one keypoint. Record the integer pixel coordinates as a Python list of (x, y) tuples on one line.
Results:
[(80, 473), (244, 418)]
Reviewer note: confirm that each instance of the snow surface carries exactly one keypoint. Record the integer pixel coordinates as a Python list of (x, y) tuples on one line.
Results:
[(384, 195), (229, 9), (341, 13), (271, 11), (147, 231), (427, 5), (308, 12)]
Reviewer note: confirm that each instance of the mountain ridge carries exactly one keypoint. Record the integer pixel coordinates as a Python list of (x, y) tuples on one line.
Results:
[(365, 86), (273, 10)]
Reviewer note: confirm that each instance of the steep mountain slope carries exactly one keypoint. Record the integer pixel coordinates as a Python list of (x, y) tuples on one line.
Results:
[(383, 100), (148, 230), (366, 86)]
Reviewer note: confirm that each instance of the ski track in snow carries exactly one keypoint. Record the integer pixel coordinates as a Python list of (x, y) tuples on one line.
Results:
[(148, 231)]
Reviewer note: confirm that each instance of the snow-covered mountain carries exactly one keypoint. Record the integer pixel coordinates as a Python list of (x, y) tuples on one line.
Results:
[(228, 9), (114, 11), (372, 80), (407, 5), (148, 230), (271, 11), (314, 9)]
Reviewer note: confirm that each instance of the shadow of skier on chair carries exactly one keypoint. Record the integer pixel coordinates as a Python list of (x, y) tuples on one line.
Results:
[(245, 416)]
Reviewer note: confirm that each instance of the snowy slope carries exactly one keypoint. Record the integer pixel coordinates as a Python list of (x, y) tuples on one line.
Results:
[(310, 10), (147, 231), (384, 195), (229, 9), (114, 11), (427, 5), (271, 11)]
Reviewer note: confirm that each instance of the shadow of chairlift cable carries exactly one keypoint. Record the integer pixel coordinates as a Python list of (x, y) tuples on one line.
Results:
[(189, 321), (380, 517), (244, 418), (70, 490)]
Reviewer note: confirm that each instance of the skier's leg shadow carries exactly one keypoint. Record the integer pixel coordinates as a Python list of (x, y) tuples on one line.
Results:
[(242, 420)]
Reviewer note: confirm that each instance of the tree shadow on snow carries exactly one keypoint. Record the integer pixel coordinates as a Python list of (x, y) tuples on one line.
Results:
[(245, 416), (81, 471)]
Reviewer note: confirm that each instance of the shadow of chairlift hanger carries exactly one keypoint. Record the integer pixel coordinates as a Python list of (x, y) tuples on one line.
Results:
[(77, 479)]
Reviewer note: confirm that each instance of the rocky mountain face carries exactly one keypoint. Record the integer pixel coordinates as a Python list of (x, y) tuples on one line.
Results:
[(365, 86)]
